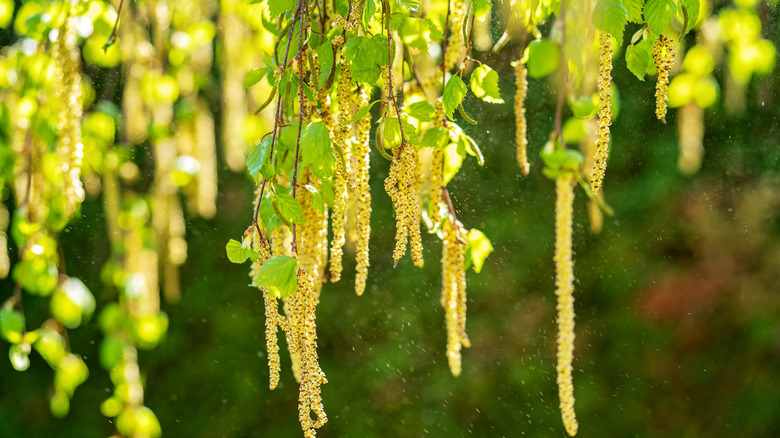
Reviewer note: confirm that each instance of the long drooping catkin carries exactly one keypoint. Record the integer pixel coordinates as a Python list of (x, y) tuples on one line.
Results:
[(605, 111), (341, 133), (663, 56), (521, 125), (564, 282), (402, 186), (361, 153), (453, 293)]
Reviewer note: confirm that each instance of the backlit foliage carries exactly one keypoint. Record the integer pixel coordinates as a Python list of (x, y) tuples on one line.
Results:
[(294, 108)]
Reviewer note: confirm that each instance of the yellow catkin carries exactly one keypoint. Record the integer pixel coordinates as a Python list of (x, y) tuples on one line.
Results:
[(456, 45), (564, 282), (207, 158), (690, 133), (5, 262), (412, 193), (313, 234), (437, 169), (453, 294), (521, 124), (234, 34), (605, 111), (402, 185), (69, 146), (663, 55), (272, 318), (302, 337), (341, 133), (361, 154)]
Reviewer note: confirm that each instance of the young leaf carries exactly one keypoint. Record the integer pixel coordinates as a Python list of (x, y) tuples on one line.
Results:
[(481, 8), (412, 5), (453, 159), (544, 56), (435, 138), (484, 84), (267, 214), (454, 93), (254, 76), (259, 160), (634, 10), (288, 207), (610, 16), (280, 275), (277, 7), (692, 9), (11, 325), (325, 58), (659, 14), (479, 247), (422, 111), (361, 113), (236, 253), (316, 199), (316, 150), (638, 60)]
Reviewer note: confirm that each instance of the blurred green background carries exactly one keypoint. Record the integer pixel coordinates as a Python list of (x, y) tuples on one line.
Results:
[(678, 300)]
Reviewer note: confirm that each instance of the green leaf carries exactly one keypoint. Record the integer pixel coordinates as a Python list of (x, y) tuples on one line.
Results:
[(454, 93), (254, 76), (453, 159), (692, 8), (259, 160), (11, 325), (361, 113), (634, 10), (484, 84), (316, 151), (325, 58), (481, 8), (277, 7), (638, 60), (280, 275), (610, 16), (544, 56), (392, 133), (316, 199), (659, 14), (289, 208), (365, 55), (479, 248), (412, 5), (267, 214), (237, 253), (435, 138), (422, 111), (583, 107)]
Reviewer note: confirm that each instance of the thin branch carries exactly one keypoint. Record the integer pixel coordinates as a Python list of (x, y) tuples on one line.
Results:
[(559, 108)]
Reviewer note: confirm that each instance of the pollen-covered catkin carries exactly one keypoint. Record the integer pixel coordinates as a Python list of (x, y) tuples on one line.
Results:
[(663, 55), (402, 185), (453, 293), (413, 188), (456, 44), (338, 218), (521, 124), (564, 282), (361, 153), (272, 318), (605, 111)]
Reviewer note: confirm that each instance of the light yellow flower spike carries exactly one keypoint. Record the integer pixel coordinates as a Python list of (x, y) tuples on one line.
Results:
[(361, 153), (564, 282), (453, 293), (663, 55), (344, 98), (605, 111), (521, 124)]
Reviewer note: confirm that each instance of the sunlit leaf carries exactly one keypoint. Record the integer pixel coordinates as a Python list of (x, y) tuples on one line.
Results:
[(610, 16), (454, 93), (279, 274), (659, 14), (484, 84), (544, 56), (479, 248), (289, 208)]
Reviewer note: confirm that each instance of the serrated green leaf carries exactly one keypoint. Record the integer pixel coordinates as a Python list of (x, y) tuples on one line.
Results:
[(479, 247), (365, 55), (610, 16), (361, 113), (659, 14), (267, 214), (412, 5), (634, 10), (288, 207), (392, 133), (638, 60), (417, 32), (481, 8), (435, 138), (277, 7), (453, 159), (254, 76), (484, 84), (544, 56), (325, 59), (422, 111), (454, 93), (259, 160), (316, 199), (280, 275), (236, 253), (316, 150)]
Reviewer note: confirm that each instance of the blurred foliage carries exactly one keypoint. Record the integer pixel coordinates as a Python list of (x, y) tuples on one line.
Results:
[(678, 317)]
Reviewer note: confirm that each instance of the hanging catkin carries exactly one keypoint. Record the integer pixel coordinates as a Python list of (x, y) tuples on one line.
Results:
[(521, 124), (361, 154), (564, 282), (605, 111), (663, 56)]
